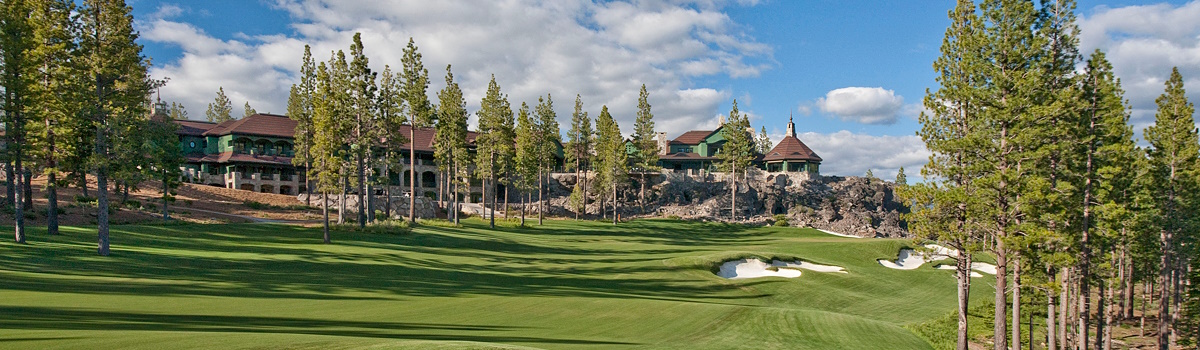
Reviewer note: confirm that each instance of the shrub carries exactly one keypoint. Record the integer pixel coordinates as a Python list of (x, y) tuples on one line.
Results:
[(84, 199), (133, 204), (780, 220), (436, 222), (675, 217), (378, 227)]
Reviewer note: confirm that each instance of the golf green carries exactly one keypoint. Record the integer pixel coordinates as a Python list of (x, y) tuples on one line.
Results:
[(565, 285)]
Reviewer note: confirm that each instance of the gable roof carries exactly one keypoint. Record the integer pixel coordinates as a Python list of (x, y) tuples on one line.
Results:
[(692, 137), (271, 125), (193, 127), (790, 148)]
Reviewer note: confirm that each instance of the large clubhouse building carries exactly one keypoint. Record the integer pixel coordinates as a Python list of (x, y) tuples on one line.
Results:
[(255, 154)]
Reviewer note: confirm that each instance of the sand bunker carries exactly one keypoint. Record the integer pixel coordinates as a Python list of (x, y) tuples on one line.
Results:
[(952, 267), (754, 268), (837, 234), (910, 259)]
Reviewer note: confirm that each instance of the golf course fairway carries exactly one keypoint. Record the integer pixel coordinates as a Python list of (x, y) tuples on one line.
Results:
[(645, 284)]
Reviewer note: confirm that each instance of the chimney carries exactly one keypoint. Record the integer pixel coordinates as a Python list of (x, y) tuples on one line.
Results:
[(662, 143)]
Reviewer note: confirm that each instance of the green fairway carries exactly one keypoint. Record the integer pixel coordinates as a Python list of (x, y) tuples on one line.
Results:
[(566, 285)]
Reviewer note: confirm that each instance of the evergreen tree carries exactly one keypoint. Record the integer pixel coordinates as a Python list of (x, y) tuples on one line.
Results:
[(219, 111), (330, 106), (161, 149), (645, 141), (451, 137), (549, 138), (1173, 161), (363, 136), (764, 141), (248, 111), (901, 179), (612, 163), (117, 86), (390, 104), (870, 174), (945, 203), (300, 109), (16, 42), (737, 153), (494, 142), (527, 153), (56, 95), (177, 112), (420, 113), (579, 144)]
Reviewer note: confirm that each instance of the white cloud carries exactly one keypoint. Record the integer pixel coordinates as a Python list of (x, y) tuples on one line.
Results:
[(850, 154), (602, 51), (867, 105), (1143, 43)]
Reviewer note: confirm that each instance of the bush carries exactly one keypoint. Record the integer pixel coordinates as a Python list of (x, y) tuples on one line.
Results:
[(675, 217), (84, 199), (378, 227), (780, 220), (133, 204)]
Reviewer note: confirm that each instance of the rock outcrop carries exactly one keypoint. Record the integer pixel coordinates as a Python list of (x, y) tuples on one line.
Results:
[(426, 208)]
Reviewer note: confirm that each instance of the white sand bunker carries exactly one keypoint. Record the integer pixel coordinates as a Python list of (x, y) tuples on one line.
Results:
[(910, 259), (837, 234), (977, 266), (754, 268)]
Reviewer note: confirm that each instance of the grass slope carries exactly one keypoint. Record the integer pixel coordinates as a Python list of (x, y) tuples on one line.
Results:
[(566, 285)]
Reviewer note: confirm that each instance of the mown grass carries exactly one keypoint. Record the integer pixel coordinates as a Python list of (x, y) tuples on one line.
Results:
[(565, 285)]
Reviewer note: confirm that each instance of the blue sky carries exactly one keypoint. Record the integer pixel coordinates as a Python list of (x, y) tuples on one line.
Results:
[(853, 73)]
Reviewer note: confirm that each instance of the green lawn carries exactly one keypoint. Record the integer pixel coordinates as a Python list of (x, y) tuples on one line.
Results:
[(566, 285)]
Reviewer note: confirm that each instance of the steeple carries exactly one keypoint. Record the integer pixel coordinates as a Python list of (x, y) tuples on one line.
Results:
[(791, 127)]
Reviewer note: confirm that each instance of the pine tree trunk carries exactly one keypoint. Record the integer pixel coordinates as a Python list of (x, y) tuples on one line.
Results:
[(18, 210), (541, 199), (1108, 316), (963, 272), (362, 183), (412, 174), (1016, 302), (1164, 296), (642, 194), (733, 194), (387, 187), (52, 202), (102, 191), (1129, 283), (1000, 334), (523, 201), (504, 204), (82, 185), (614, 203), (1064, 302), (307, 184), (456, 201), (1051, 332), (25, 186), (342, 203), (325, 213), (1177, 297), (165, 193)]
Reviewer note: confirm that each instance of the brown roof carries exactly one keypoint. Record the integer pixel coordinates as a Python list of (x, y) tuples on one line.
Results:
[(230, 157), (790, 148), (684, 156), (193, 127), (692, 137), (259, 124)]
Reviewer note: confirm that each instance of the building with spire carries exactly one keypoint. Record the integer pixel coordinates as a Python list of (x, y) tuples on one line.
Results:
[(791, 155)]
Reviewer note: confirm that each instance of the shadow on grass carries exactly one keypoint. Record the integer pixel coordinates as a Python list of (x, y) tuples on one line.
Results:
[(46, 318)]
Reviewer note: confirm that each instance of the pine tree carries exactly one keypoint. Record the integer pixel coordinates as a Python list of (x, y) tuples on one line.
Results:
[(945, 203), (737, 153), (331, 103), (612, 163), (56, 101), (645, 140), (1173, 159), (494, 142), (117, 83), (901, 179), (549, 138), (764, 141), (248, 111), (390, 104), (579, 144), (363, 136), (451, 144), (177, 112), (219, 111), (300, 109), (16, 42), (527, 157), (164, 155), (870, 174), (420, 113)]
